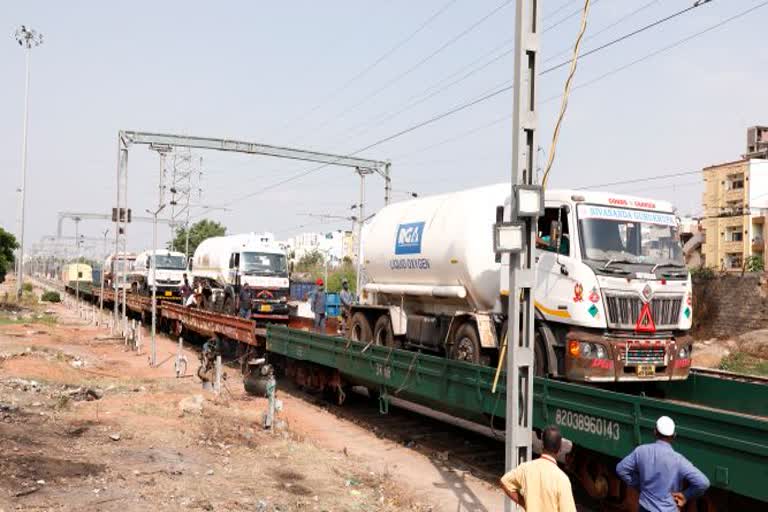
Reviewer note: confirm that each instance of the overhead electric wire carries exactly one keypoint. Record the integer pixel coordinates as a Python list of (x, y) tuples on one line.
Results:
[(431, 92), (630, 34), (564, 19), (497, 92), (566, 94), (376, 62), (417, 65), (557, 9), (640, 180), (410, 104), (603, 30), (599, 78)]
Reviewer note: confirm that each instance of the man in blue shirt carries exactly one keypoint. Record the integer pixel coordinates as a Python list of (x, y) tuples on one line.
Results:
[(657, 471), (317, 301)]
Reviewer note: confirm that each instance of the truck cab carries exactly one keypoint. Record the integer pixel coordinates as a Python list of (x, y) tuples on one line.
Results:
[(222, 266), (266, 274), (612, 291), (170, 267)]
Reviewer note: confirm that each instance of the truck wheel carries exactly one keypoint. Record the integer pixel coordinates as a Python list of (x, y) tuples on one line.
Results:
[(360, 328), (382, 333), (466, 346)]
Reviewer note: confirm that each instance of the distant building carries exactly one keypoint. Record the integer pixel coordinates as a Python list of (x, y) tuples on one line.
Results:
[(736, 206), (692, 238), (757, 142), (333, 245)]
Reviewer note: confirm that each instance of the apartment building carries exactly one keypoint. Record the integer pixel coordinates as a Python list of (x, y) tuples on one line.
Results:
[(735, 210)]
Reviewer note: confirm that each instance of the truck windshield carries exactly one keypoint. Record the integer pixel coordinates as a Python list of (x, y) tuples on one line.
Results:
[(170, 262), (262, 264), (623, 235)]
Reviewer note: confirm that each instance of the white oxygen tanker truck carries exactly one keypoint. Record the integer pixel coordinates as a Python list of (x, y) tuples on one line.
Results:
[(612, 294), (171, 267), (222, 265)]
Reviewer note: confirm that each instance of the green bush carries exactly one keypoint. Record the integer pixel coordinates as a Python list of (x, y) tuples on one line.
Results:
[(754, 264), (27, 287), (702, 272), (51, 296)]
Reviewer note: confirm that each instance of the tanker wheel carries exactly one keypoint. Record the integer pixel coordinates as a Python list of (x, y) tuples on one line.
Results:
[(360, 328), (466, 346), (383, 334)]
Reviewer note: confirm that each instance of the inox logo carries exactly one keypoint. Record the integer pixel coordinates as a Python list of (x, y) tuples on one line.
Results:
[(408, 240)]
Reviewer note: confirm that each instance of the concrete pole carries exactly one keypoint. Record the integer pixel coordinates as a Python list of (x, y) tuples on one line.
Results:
[(360, 221), (160, 206), (522, 276), (77, 263), (22, 199)]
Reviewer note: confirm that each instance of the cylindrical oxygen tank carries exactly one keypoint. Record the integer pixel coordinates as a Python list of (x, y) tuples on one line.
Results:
[(443, 241)]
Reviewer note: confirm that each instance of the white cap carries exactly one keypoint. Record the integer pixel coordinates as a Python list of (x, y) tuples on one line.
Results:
[(665, 426)]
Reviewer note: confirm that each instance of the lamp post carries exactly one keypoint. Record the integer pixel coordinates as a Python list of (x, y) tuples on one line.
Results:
[(153, 260), (27, 38)]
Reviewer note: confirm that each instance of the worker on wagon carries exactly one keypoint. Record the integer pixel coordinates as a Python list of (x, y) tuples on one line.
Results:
[(540, 485), (657, 471), (317, 301), (186, 291), (245, 299), (347, 299)]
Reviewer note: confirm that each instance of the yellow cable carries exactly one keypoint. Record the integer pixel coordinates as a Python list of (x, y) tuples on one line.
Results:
[(567, 92)]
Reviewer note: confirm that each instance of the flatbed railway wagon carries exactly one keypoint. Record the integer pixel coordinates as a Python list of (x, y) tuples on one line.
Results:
[(722, 418)]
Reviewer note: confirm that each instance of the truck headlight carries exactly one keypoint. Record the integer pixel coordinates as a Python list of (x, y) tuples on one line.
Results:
[(600, 352), (683, 353), (586, 349)]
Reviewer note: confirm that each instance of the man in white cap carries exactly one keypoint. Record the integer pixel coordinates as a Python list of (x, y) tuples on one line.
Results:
[(657, 471)]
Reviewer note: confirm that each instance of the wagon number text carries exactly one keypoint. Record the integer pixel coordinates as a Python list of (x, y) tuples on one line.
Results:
[(588, 424)]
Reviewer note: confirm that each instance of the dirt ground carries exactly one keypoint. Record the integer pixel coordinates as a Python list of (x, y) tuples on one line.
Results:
[(88, 425)]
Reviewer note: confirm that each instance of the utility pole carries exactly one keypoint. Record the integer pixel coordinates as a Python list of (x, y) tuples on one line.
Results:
[(101, 294), (525, 206), (77, 263), (360, 221), (27, 38), (163, 151)]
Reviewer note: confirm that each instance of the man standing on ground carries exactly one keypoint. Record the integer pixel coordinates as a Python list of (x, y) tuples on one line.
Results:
[(317, 301), (657, 471), (347, 299), (540, 485), (245, 301)]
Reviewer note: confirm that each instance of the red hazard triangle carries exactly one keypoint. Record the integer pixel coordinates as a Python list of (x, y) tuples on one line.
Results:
[(645, 320)]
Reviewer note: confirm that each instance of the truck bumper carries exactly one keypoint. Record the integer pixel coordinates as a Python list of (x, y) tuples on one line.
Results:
[(167, 293), (269, 311), (626, 359)]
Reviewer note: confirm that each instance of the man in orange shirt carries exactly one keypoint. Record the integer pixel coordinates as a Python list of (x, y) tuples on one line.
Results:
[(540, 485)]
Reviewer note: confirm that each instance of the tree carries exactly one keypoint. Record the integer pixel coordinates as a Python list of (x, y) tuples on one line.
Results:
[(312, 262), (8, 244), (198, 232)]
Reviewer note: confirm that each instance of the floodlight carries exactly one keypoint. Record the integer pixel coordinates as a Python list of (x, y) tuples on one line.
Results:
[(508, 237), (529, 200)]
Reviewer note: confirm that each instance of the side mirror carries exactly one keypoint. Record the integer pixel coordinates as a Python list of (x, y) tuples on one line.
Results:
[(149, 263)]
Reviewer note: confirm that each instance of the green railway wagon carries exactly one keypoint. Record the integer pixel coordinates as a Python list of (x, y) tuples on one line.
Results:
[(726, 439)]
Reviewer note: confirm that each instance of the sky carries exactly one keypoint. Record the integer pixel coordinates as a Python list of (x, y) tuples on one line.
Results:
[(337, 76)]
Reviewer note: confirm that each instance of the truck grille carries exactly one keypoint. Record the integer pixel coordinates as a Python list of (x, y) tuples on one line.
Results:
[(645, 355), (624, 310)]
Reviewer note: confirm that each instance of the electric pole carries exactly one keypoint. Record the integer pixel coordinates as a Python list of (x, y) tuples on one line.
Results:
[(27, 38), (523, 220)]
